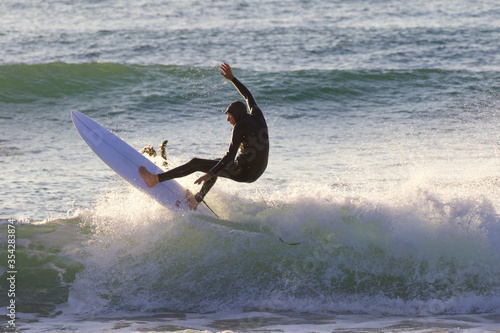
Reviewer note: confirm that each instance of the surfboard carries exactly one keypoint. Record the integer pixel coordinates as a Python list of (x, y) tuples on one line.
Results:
[(125, 161)]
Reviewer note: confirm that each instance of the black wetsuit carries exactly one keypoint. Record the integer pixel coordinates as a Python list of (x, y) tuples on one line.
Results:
[(250, 137)]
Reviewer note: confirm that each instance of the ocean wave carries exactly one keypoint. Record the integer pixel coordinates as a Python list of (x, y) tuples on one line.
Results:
[(23, 83), (424, 253), (152, 87)]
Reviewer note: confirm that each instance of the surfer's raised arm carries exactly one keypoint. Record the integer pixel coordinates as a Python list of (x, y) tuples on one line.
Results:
[(228, 74)]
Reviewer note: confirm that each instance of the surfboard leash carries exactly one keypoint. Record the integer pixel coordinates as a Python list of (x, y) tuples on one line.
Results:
[(211, 209)]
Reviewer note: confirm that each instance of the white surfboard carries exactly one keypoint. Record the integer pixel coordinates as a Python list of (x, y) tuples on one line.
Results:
[(125, 161)]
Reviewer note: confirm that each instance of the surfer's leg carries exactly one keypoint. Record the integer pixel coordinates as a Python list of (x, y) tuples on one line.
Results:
[(232, 171), (236, 172), (205, 188), (196, 164)]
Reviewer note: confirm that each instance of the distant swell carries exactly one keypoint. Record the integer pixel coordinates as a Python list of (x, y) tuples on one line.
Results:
[(28, 83)]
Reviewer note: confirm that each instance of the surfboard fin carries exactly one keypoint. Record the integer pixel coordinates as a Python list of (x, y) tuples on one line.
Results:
[(163, 153), (149, 150)]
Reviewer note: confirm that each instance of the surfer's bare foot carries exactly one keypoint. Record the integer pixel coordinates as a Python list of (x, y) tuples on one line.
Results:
[(193, 204), (150, 178)]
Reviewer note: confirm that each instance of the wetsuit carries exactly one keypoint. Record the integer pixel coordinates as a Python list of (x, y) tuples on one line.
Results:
[(250, 137)]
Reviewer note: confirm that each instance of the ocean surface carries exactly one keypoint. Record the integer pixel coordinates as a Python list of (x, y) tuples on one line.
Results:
[(384, 170)]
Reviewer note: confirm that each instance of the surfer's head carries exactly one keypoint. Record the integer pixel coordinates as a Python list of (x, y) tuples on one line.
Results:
[(237, 110)]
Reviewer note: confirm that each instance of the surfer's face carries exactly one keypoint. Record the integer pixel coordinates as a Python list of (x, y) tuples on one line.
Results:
[(230, 119)]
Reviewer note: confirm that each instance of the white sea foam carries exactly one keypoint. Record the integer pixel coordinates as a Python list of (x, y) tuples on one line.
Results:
[(418, 255)]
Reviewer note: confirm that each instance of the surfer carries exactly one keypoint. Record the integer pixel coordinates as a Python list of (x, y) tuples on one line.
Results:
[(249, 137)]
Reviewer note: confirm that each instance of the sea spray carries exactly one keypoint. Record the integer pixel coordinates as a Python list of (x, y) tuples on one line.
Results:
[(414, 256)]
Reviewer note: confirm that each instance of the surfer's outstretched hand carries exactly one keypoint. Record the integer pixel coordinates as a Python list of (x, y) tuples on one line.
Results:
[(226, 71), (203, 179), (150, 178)]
